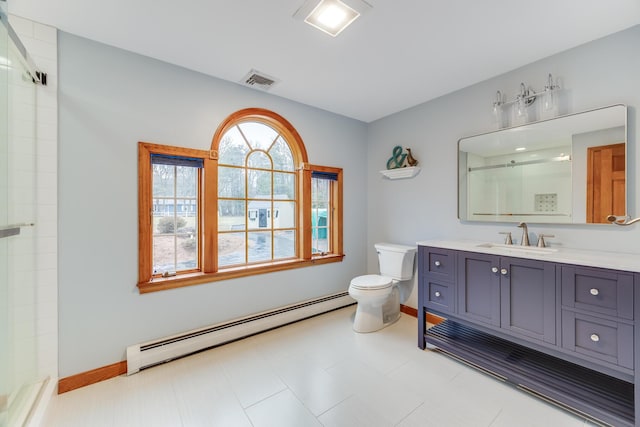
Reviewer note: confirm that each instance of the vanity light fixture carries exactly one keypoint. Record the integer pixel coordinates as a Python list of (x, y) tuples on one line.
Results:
[(331, 16), (525, 98)]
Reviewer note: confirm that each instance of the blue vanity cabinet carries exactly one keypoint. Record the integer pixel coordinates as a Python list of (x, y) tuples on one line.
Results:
[(563, 332), (436, 284), (598, 314), (515, 294)]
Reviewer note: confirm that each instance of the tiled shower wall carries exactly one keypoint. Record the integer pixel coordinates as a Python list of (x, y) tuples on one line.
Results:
[(41, 43)]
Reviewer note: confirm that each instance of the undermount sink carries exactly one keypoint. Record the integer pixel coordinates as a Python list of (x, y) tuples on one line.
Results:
[(518, 248)]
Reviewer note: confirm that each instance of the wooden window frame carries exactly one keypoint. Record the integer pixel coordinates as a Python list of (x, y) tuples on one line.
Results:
[(335, 196), (208, 202)]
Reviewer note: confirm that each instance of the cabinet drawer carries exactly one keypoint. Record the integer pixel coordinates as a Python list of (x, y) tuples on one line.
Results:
[(438, 296), (439, 263), (599, 291), (599, 338)]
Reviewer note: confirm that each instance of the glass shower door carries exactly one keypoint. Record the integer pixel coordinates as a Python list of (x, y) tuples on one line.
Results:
[(19, 383)]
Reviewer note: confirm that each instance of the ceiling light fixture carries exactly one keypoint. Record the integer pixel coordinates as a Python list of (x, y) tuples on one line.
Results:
[(331, 16)]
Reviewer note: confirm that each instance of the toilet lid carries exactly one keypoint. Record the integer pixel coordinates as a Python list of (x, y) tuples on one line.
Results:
[(371, 281)]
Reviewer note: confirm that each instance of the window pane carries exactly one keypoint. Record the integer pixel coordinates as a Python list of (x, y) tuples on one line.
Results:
[(186, 181), (186, 252), (320, 190), (284, 244), (284, 215), (164, 254), (284, 185), (259, 183), (232, 149), (259, 214), (259, 159), (320, 216), (163, 180), (281, 155), (163, 207), (258, 135), (231, 215), (230, 182), (175, 224), (259, 246), (231, 249)]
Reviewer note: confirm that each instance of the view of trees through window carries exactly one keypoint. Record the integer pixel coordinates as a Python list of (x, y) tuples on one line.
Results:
[(320, 215), (257, 196), (175, 213), (250, 204)]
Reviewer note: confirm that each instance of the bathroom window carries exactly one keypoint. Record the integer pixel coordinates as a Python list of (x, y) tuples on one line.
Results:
[(326, 190), (257, 195), (251, 204), (175, 226)]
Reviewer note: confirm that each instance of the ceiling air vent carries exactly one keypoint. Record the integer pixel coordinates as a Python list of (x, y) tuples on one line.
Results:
[(258, 80)]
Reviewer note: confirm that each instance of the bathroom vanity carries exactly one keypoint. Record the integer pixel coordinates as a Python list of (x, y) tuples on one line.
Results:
[(557, 323)]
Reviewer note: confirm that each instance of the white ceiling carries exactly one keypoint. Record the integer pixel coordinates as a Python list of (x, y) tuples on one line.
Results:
[(400, 54)]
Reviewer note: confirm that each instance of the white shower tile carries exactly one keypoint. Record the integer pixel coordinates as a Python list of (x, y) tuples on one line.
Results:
[(23, 27), (46, 33)]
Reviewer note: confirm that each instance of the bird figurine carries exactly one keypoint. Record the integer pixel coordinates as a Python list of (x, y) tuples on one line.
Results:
[(410, 159)]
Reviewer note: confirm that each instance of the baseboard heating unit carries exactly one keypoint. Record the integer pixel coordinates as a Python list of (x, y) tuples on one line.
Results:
[(145, 355)]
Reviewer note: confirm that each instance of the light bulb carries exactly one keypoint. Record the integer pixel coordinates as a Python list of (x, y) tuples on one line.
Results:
[(497, 109), (550, 98)]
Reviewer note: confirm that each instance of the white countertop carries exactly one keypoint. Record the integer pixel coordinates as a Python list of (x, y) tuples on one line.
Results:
[(612, 260)]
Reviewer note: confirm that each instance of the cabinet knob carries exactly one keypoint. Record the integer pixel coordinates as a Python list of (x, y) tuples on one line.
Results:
[(437, 294), (595, 337), (437, 263), (494, 269), (503, 271), (594, 291)]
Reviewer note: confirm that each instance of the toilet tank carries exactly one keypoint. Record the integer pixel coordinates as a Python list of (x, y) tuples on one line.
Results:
[(396, 261)]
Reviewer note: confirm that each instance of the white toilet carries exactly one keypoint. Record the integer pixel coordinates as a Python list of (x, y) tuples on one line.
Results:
[(378, 295)]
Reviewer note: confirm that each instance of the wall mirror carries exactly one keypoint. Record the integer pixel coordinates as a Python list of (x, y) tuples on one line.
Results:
[(566, 170)]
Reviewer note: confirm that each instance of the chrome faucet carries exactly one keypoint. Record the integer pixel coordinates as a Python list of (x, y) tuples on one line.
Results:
[(525, 234)]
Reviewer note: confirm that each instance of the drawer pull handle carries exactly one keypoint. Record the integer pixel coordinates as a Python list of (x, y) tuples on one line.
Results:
[(504, 271), (437, 294), (494, 269), (437, 263), (595, 337), (594, 291)]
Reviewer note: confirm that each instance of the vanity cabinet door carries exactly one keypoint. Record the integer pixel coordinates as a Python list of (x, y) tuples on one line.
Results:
[(528, 291), (479, 287)]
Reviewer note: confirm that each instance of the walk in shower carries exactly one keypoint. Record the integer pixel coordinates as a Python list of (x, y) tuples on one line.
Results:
[(19, 378)]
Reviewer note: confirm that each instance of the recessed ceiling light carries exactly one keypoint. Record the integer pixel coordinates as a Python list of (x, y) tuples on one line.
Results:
[(331, 16), (521, 149)]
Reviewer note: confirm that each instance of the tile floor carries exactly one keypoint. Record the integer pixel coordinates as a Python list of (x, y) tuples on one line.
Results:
[(317, 372)]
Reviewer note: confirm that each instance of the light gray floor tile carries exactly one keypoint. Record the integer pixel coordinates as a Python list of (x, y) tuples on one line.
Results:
[(353, 412), (281, 410), (314, 372)]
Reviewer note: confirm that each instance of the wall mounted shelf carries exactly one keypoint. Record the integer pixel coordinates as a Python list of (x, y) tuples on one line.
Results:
[(401, 173)]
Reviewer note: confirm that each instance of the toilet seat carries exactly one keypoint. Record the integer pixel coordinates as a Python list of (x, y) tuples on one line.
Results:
[(371, 282)]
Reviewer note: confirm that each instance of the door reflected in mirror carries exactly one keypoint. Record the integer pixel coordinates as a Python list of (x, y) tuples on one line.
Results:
[(567, 170)]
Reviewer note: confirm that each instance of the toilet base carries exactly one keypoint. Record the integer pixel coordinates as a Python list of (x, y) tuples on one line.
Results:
[(373, 317)]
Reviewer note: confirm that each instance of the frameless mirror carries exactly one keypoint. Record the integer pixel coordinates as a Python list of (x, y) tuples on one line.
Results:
[(570, 169)]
